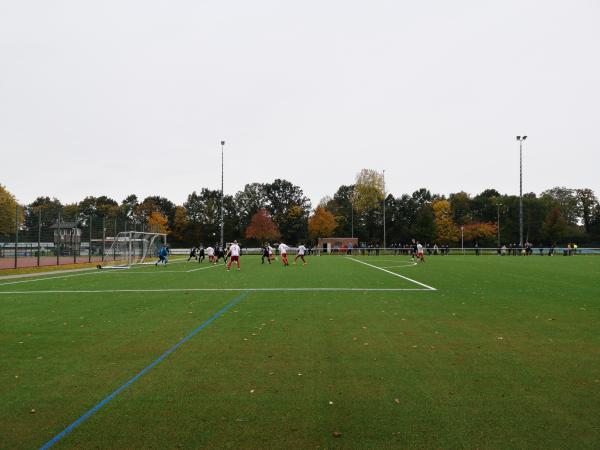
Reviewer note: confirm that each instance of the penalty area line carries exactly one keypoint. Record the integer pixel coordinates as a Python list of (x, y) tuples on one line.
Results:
[(430, 288)]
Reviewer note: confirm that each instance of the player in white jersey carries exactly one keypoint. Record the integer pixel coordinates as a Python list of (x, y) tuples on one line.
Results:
[(234, 253), (420, 254), (283, 251), (270, 249), (211, 254), (300, 254)]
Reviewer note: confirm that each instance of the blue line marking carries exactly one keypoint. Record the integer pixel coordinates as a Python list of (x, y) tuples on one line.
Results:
[(145, 370)]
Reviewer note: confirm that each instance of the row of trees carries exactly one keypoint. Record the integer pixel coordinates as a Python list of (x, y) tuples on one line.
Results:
[(280, 210)]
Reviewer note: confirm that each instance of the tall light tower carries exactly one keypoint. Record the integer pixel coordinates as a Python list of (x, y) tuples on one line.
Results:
[(384, 210), (521, 139), (222, 176)]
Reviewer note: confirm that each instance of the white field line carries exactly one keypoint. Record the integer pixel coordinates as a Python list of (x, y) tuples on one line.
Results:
[(53, 278), (202, 268), (92, 271), (111, 291), (394, 267), (395, 274), (160, 271), (172, 261), (378, 259)]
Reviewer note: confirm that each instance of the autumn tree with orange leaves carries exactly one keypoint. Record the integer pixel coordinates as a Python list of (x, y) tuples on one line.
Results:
[(262, 227), (480, 231), (158, 223), (322, 223)]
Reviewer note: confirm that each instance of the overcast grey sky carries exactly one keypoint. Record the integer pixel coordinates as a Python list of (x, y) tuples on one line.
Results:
[(120, 97)]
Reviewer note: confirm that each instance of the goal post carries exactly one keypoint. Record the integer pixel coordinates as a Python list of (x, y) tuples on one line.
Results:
[(129, 248)]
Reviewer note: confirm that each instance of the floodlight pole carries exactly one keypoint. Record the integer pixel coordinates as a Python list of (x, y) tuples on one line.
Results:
[(384, 209), (352, 220), (352, 212), (521, 139), (222, 177)]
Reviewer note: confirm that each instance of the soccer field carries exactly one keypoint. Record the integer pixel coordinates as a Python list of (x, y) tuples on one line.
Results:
[(459, 352)]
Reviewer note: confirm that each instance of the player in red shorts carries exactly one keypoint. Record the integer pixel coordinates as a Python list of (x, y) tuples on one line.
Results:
[(300, 254), (234, 253), (283, 251), (420, 254)]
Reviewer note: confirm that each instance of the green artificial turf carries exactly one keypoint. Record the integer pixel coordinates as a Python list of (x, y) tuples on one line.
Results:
[(505, 353)]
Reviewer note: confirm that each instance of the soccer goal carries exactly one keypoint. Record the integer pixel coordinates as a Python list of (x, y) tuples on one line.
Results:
[(129, 248)]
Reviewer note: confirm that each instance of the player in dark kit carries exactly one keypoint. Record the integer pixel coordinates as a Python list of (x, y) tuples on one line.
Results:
[(265, 254), (414, 249), (220, 253), (201, 253), (192, 253)]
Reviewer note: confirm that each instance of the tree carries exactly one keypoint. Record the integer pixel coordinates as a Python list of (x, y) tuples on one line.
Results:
[(181, 230), (341, 207), (423, 196), (405, 213), (158, 223), (49, 210), (566, 200), (461, 207), (262, 227), (555, 226), (130, 210), (70, 212), (423, 227), (368, 190), (289, 209), (322, 223), (249, 201), (158, 204), (8, 211), (446, 231), (484, 206), (480, 232), (586, 203)]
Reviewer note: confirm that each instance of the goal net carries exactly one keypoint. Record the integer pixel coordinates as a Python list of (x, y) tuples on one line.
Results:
[(129, 248)]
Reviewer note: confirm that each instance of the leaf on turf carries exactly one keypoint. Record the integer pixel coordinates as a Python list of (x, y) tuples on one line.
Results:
[(337, 434), (397, 401)]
